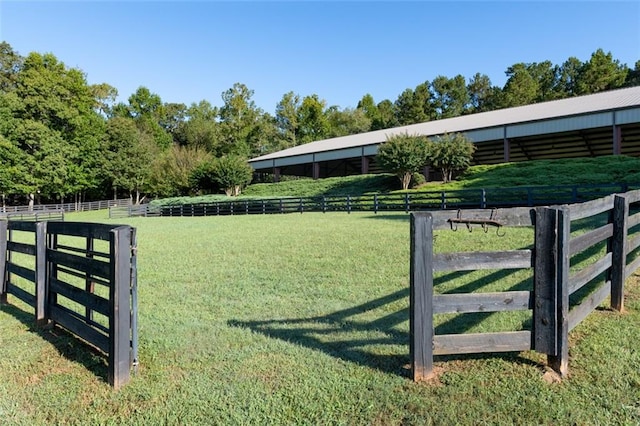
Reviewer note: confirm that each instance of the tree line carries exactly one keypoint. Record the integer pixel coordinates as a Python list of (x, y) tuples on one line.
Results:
[(63, 139)]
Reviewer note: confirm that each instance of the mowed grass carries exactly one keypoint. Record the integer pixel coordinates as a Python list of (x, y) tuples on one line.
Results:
[(303, 319)]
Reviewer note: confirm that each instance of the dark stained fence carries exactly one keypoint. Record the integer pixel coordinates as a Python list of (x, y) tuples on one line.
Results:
[(36, 216), (407, 202), (574, 271), (85, 281)]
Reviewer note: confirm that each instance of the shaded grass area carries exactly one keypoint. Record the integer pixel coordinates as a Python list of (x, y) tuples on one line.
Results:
[(303, 319)]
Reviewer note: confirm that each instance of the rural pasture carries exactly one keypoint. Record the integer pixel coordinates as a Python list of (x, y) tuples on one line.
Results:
[(303, 319)]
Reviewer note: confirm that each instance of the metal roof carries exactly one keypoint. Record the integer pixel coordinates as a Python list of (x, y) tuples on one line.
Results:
[(599, 102)]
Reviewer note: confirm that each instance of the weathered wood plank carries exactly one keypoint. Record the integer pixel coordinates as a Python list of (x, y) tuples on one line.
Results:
[(18, 225), (633, 243), (585, 275), (3, 261), (421, 297), (591, 208), (473, 343), (72, 322), (120, 297), (544, 281), (82, 229), (633, 220), (21, 294), (468, 261), (515, 216), (482, 302), (619, 250), (580, 312), (560, 360), (78, 295), (632, 267), (41, 272), (633, 196), (16, 247), (91, 266), (22, 271), (588, 239)]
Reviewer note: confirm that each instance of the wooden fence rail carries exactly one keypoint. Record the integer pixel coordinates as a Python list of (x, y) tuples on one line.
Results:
[(562, 296), (81, 276)]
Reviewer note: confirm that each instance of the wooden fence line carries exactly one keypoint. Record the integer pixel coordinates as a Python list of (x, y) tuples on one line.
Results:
[(67, 207), (553, 316), (107, 317)]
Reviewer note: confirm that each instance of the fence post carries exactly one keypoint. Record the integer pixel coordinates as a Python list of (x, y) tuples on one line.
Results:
[(551, 297), (3, 261), (617, 273), (375, 203), (41, 273), (324, 204), (349, 204), (421, 297), (483, 199), (443, 201), (529, 197), (119, 298)]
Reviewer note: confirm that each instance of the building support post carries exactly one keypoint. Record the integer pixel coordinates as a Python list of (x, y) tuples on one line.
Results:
[(364, 165), (316, 170), (276, 174)]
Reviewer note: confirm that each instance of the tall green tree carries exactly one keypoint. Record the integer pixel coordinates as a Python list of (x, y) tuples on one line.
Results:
[(288, 120), (388, 116), (480, 93), (521, 88), (601, 72), (238, 118), (314, 124), (347, 122), (10, 66), (450, 96)]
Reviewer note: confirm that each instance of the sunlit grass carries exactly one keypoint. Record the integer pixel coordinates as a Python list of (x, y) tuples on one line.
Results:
[(303, 319)]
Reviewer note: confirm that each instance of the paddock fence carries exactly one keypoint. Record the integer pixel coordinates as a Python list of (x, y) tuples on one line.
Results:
[(80, 276), (379, 203), (66, 207), (581, 254)]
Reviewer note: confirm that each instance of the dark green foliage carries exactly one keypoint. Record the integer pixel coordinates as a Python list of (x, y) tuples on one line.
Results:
[(451, 153), (403, 155), (231, 173)]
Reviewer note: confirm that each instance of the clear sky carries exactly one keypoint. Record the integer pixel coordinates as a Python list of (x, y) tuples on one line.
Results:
[(186, 51)]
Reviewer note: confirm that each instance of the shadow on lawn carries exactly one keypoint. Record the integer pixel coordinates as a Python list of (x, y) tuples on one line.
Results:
[(358, 334), (65, 343)]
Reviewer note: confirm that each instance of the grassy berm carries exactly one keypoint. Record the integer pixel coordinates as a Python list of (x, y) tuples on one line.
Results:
[(599, 170)]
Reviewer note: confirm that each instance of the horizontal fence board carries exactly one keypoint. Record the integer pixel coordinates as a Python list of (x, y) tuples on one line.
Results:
[(516, 216), (580, 312), (82, 275), (632, 267), (25, 296), (588, 239), (585, 275), (22, 226), (71, 322), (482, 302), (591, 208), (466, 261), (78, 295), (90, 266), (633, 243), (83, 251), (21, 248), (21, 271), (633, 196), (508, 341), (633, 220), (81, 229)]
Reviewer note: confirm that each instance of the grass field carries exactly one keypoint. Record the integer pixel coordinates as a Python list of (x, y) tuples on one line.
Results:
[(303, 319)]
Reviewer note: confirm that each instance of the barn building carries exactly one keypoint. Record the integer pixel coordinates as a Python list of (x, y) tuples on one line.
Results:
[(586, 126)]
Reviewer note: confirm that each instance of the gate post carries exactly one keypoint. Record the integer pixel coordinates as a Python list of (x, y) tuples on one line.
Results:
[(617, 273), (41, 273), (421, 297), (3, 261), (550, 276), (119, 298)]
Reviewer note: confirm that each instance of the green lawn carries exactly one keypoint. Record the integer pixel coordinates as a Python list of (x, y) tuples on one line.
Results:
[(303, 319)]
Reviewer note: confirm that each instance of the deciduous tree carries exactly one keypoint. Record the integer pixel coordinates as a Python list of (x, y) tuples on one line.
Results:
[(403, 155)]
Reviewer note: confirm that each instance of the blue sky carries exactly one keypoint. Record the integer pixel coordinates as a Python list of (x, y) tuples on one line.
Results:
[(186, 51)]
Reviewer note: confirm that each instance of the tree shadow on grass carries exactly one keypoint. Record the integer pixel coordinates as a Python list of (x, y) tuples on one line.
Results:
[(67, 344), (369, 334)]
